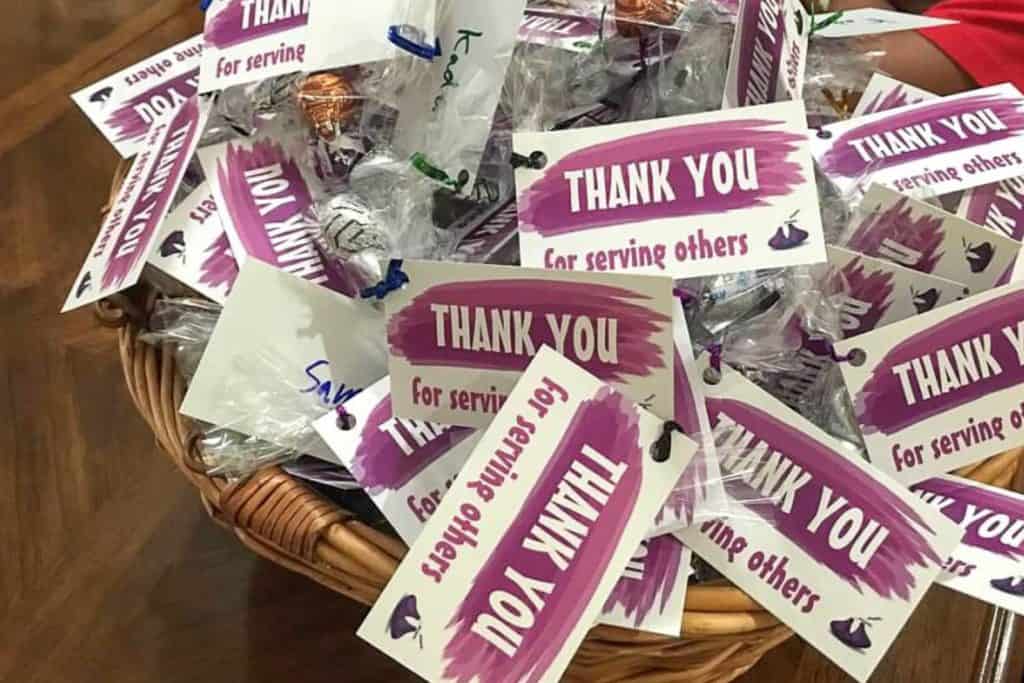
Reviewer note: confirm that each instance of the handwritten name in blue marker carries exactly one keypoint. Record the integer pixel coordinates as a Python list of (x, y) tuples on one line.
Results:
[(330, 395)]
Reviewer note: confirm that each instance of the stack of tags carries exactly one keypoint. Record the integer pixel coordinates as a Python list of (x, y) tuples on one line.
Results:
[(816, 532), (934, 340), (538, 535), (194, 249), (987, 563), (125, 105), (128, 235), (556, 439)]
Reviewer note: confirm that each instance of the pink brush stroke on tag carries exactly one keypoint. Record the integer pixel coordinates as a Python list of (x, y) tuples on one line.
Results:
[(219, 268), (893, 99), (557, 24), (545, 206), (225, 28), (639, 597), (252, 227), (968, 494), (608, 423), (898, 224), (381, 465), (999, 207), (159, 187), (874, 288), (129, 124), (842, 158), (692, 485), (751, 36), (412, 335), (880, 404), (888, 573)]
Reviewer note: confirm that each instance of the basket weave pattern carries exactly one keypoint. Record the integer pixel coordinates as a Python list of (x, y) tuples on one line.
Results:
[(283, 520)]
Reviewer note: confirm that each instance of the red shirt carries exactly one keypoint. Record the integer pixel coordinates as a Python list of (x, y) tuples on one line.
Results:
[(988, 43)]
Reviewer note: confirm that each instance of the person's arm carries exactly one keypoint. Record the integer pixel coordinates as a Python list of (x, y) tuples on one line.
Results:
[(912, 58), (911, 6), (909, 56)]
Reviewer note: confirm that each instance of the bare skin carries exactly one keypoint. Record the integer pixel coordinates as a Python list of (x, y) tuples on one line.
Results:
[(910, 57)]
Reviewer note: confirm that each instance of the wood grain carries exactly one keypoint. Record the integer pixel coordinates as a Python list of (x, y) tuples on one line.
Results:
[(111, 572)]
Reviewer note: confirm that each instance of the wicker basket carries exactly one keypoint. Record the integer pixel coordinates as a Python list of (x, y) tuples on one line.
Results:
[(283, 520)]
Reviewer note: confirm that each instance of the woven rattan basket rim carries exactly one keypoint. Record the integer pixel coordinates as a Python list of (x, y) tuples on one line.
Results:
[(283, 520)]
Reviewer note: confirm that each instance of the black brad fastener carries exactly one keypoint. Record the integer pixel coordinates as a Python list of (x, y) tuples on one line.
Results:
[(536, 161), (661, 450)]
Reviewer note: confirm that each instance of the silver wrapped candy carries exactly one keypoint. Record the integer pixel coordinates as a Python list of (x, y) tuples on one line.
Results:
[(349, 227)]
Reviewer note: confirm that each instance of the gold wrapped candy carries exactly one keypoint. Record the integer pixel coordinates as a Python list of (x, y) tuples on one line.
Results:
[(631, 15), (329, 102), (844, 103)]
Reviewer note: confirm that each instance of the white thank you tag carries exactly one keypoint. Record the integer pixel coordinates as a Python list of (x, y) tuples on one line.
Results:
[(459, 336), (989, 562), (836, 550), (722, 192), (524, 551), (941, 390)]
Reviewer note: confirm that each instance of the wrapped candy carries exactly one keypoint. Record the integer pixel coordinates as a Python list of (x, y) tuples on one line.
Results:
[(631, 16), (692, 79), (242, 110), (355, 233), (329, 102), (838, 71)]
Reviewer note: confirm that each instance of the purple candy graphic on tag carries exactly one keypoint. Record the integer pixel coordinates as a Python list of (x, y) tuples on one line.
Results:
[(132, 119), (159, 186), (1013, 585), (623, 342), (926, 300), (174, 245), (789, 235), (405, 620), (648, 166), (608, 425), (241, 21), (918, 134), (896, 234), (219, 267), (881, 405), (979, 256), (890, 537), (639, 596), (102, 95), (853, 632), (84, 286), (380, 463)]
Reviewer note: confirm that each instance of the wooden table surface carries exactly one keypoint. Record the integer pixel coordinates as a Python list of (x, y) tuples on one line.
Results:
[(110, 571)]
